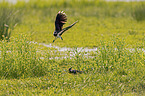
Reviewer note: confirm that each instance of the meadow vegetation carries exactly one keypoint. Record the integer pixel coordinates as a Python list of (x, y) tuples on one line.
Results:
[(115, 28), (9, 19)]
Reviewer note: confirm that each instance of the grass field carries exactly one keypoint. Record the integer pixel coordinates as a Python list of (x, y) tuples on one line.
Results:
[(115, 28)]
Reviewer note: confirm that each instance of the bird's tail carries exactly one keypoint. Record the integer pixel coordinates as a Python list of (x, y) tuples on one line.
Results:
[(63, 30)]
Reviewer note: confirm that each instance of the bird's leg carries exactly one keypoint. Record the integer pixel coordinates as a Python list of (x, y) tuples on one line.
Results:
[(61, 38), (54, 39)]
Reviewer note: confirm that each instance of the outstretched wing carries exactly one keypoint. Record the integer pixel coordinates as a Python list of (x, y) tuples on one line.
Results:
[(61, 19), (63, 30)]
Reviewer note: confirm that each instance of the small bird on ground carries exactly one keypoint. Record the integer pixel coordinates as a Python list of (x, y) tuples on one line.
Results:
[(61, 19), (74, 71)]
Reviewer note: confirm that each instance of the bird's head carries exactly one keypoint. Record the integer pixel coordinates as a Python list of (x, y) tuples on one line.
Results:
[(55, 33), (69, 69)]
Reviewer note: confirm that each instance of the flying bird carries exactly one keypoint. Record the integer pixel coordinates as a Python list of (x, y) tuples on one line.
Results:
[(61, 19)]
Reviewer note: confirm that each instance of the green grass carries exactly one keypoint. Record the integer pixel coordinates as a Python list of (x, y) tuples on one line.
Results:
[(116, 68), (97, 21), (139, 13), (113, 69), (9, 18)]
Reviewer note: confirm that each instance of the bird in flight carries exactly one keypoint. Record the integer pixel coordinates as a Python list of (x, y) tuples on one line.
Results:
[(61, 19)]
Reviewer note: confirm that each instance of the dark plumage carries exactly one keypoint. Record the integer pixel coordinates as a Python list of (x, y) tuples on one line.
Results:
[(74, 71), (61, 19)]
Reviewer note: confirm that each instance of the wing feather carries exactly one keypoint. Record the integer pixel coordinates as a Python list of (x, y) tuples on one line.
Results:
[(63, 30), (61, 19)]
